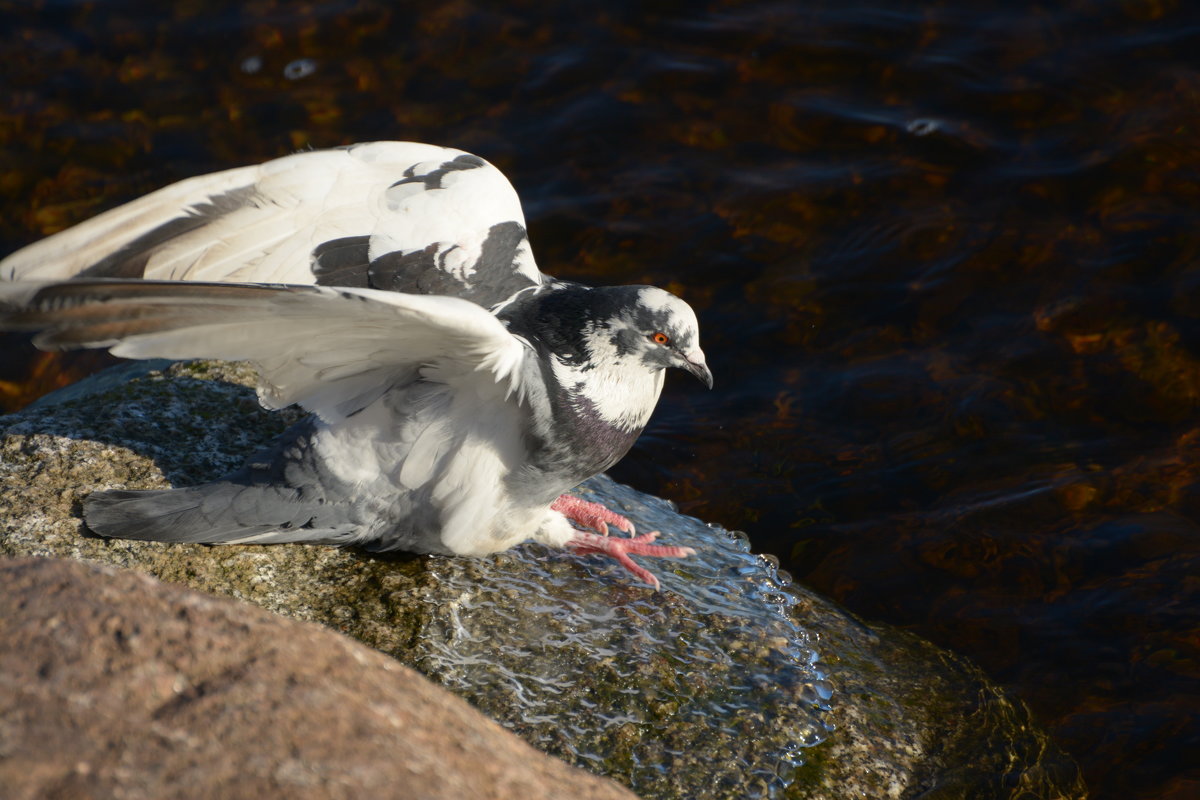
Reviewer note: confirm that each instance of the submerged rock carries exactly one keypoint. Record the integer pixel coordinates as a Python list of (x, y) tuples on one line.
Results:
[(711, 688)]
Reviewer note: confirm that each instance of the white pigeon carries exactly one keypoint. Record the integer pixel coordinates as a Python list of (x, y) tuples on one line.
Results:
[(456, 391)]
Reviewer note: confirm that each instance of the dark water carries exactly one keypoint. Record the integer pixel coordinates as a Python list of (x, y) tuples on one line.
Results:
[(946, 258)]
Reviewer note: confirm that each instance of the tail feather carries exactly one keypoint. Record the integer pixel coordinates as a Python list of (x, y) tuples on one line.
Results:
[(216, 513)]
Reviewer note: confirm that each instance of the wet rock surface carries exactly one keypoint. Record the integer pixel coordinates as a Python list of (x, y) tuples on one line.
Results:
[(729, 683)]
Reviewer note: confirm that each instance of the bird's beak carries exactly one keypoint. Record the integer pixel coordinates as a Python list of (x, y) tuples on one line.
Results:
[(695, 365)]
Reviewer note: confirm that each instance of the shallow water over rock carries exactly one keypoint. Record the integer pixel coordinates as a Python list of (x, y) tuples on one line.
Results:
[(709, 678)]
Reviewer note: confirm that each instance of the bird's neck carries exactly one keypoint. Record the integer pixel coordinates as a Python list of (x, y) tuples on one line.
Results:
[(611, 392)]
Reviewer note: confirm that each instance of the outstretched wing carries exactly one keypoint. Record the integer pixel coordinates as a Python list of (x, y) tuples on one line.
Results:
[(331, 350), (396, 216)]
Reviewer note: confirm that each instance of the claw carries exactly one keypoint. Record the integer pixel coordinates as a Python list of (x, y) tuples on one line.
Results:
[(591, 515), (621, 548)]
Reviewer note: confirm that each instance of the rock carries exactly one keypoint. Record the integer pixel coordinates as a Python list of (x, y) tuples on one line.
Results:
[(712, 688), (118, 685)]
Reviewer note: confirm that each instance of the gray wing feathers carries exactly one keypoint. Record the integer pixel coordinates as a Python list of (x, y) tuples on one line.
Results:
[(215, 513), (284, 493), (330, 350)]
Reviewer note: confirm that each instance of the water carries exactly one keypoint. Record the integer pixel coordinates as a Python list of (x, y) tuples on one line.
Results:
[(708, 689), (944, 256)]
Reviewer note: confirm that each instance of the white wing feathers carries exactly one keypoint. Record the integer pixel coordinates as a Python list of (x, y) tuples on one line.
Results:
[(330, 350), (263, 223)]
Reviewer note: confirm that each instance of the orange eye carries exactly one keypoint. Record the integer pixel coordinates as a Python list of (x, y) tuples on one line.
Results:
[(661, 338)]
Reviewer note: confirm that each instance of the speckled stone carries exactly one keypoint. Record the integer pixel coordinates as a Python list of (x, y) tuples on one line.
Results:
[(119, 685)]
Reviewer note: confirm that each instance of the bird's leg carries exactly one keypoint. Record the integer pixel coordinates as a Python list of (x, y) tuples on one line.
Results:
[(598, 517), (621, 548), (591, 515)]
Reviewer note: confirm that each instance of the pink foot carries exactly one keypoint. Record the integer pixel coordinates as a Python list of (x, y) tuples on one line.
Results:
[(620, 549), (590, 515)]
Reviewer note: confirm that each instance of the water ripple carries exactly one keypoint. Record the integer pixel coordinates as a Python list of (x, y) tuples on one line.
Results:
[(685, 692)]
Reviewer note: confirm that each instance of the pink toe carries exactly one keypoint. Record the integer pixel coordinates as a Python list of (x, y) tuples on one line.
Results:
[(590, 515), (621, 548)]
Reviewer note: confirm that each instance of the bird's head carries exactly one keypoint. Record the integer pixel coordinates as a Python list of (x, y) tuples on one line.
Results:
[(659, 330), (607, 348), (601, 333)]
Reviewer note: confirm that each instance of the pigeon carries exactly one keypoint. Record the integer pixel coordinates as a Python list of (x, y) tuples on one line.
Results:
[(457, 393)]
